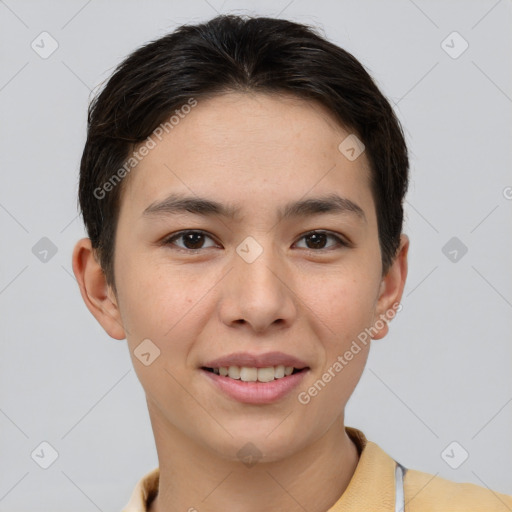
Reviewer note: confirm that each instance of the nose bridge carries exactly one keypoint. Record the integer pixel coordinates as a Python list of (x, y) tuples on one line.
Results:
[(260, 276), (257, 292)]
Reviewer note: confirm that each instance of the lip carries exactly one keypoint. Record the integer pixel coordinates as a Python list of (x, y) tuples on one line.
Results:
[(255, 392), (256, 360)]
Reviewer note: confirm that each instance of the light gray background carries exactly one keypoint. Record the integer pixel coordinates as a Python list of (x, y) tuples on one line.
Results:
[(442, 375)]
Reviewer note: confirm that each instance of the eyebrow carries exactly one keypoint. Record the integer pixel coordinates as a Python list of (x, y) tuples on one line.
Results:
[(175, 204)]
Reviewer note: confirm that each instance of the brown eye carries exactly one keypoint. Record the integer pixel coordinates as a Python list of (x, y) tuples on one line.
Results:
[(190, 240), (318, 240)]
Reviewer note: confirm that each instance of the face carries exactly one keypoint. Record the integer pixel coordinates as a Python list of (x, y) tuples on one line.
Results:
[(247, 239)]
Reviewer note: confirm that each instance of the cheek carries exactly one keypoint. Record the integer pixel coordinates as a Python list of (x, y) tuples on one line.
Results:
[(343, 308), (344, 304), (158, 302)]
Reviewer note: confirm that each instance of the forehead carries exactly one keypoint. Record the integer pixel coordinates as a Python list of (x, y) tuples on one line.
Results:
[(249, 147)]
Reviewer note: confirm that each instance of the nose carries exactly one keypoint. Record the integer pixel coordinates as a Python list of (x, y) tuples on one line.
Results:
[(258, 295)]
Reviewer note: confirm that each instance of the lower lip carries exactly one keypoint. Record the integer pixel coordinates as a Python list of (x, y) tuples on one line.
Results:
[(256, 392)]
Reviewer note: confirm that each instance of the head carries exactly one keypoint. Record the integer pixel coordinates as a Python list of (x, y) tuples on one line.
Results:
[(242, 186)]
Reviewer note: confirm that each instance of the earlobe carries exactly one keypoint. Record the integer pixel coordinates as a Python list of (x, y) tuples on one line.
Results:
[(95, 291), (391, 290)]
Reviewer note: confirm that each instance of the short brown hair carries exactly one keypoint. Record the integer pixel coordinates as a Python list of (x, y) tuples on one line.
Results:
[(236, 53)]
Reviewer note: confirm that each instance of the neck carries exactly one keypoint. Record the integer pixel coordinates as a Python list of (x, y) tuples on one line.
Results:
[(194, 479)]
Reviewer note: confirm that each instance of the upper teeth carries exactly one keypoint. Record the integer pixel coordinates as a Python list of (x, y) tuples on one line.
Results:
[(248, 374)]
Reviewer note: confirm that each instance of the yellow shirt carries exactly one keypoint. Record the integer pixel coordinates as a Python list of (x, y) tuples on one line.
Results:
[(372, 488)]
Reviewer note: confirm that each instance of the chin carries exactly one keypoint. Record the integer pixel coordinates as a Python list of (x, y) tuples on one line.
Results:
[(259, 441)]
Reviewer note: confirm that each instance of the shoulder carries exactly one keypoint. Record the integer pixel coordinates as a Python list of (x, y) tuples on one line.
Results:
[(424, 491)]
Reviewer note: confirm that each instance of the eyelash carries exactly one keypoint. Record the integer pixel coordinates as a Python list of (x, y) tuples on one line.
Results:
[(169, 240)]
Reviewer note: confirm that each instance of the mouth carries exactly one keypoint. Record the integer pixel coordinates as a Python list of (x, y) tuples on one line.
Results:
[(254, 374), (255, 378)]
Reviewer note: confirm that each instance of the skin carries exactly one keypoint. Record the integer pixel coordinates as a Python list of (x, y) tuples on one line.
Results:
[(259, 152)]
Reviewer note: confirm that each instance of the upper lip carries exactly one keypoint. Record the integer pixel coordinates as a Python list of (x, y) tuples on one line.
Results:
[(256, 360)]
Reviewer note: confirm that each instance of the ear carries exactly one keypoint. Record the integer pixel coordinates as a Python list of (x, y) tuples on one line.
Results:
[(96, 293), (391, 290)]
